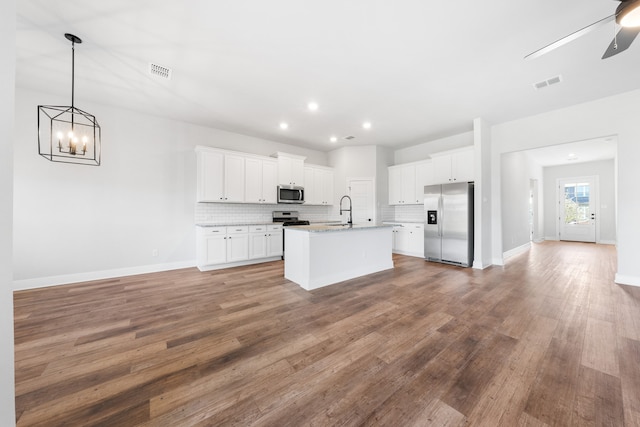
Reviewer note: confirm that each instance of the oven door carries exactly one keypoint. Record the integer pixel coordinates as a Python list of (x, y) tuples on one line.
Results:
[(290, 194)]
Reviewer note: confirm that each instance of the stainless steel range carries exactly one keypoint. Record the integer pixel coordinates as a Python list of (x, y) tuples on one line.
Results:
[(287, 218)]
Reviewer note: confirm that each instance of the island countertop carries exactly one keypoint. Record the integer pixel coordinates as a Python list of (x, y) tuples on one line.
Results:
[(321, 228)]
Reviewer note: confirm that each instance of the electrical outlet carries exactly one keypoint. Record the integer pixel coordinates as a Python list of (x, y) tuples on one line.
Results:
[(154, 252)]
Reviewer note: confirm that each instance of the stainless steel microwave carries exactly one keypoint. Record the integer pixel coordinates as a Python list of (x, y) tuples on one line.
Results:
[(290, 194)]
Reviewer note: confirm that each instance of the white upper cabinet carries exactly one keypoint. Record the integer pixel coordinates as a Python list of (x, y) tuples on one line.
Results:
[(405, 184), (261, 176), (290, 169), (210, 166), (424, 176), (220, 177), (453, 166), (318, 185), (233, 178)]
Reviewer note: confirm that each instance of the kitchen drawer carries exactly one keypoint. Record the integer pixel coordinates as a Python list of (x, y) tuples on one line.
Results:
[(276, 227), (257, 228), (240, 229), (213, 231)]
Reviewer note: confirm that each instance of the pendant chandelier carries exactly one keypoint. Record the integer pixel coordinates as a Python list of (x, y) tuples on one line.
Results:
[(68, 134)]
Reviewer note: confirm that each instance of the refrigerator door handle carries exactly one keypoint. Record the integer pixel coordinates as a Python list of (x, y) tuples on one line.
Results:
[(440, 209)]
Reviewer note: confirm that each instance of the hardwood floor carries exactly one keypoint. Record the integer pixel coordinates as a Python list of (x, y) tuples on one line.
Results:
[(548, 339)]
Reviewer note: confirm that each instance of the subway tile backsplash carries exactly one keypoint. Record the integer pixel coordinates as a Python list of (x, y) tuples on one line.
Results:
[(409, 213), (218, 213), (245, 213)]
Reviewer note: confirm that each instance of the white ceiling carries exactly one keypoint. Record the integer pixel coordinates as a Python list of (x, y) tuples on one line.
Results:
[(575, 152), (417, 70)]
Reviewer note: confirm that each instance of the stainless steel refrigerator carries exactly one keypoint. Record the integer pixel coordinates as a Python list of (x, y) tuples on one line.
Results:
[(448, 228)]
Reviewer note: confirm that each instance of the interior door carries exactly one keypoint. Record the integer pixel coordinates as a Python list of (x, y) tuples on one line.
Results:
[(577, 202), (361, 191)]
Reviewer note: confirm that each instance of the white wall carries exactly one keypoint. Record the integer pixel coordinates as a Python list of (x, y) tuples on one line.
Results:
[(423, 151), (517, 172), (482, 194), (384, 159), (611, 116), (76, 222), (606, 212), (7, 85), (350, 162)]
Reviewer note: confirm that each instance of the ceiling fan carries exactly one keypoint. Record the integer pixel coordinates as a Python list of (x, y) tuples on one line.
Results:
[(627, 15)]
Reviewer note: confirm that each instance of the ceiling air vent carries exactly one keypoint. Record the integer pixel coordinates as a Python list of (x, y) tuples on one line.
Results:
[(159, 71), (349, 137), (548, 82)]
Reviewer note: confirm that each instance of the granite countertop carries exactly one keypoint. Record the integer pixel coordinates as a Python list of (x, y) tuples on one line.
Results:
[(403, 222), (321, 228), (239, 224)]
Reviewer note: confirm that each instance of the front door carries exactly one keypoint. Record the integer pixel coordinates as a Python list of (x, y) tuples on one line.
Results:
[(577, 203)]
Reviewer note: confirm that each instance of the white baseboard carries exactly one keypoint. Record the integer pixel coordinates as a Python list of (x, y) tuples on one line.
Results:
[(497, 261), (607, 242), (627, 280), (417, 255), (42, 282), (516, 251), (238, 264), (479, 265), (552, 238), (539, 240)]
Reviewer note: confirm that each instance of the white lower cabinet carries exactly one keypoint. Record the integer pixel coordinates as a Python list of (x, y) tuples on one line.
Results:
[(257, 241), (265, 241), (237, 243), (227, 246), (274, 240), (408, 239), (215, 249)]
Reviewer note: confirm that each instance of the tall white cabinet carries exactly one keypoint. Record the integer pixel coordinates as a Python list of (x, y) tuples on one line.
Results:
[(453, 166), (220, 177), (407, 181), (318, 185), (290, 169), (225, 176), (261, 180)]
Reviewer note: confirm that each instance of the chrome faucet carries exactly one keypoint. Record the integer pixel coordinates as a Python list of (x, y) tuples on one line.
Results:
[(350, 222)]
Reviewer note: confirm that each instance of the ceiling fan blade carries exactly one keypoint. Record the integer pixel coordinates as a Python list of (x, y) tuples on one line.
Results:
[(625, 37), (571, 37)]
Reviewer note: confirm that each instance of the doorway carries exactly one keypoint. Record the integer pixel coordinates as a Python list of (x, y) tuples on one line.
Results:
[(362, 193), (577, 217)]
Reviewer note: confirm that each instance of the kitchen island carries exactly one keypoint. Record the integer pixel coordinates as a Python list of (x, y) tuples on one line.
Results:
[(321, 255)]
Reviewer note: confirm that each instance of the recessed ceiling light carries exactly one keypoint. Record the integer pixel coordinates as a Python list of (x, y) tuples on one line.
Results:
[(333, 139), (284, 125), (312, 106), (366, 125)]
